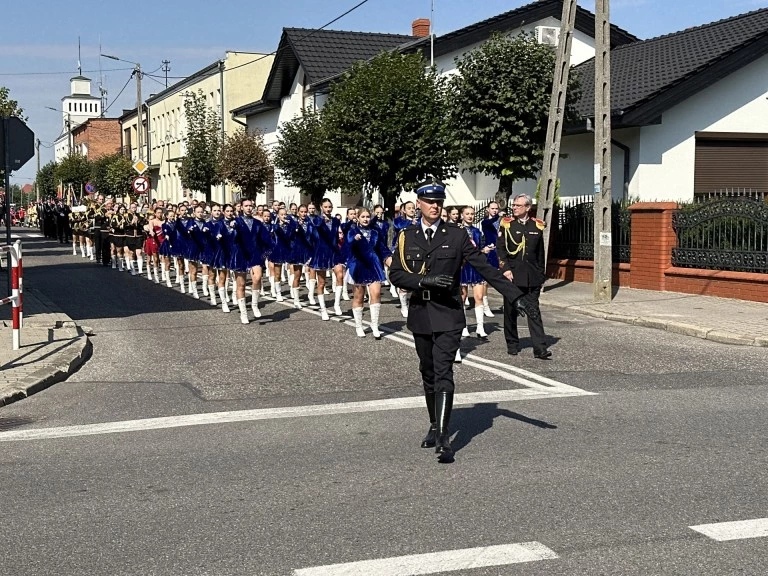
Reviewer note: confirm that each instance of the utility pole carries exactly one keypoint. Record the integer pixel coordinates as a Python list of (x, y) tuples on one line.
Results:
[(139, 113), (37, 176), (603, 257), (166, 69), (548, 184)]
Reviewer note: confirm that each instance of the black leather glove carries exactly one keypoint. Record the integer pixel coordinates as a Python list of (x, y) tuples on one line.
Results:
[(437, 281), (526, 307)]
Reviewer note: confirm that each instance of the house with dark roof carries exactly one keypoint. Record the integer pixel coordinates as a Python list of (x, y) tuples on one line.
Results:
[(689, 114), (308, 61)]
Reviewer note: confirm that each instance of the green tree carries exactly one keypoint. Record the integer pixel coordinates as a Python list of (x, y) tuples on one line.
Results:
[(74, 169), (46, 179), (120, 175), (200, 167), (302, 154), (500, 107), (244, 161), (385, 127), (9, 107)]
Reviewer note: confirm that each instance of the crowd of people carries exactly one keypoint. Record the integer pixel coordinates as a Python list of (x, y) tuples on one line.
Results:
[(238, 253)]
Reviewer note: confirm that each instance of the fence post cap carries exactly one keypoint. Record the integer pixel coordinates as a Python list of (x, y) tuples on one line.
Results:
[(653, 206)]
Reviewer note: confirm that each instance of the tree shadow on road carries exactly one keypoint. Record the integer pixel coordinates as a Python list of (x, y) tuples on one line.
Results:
[(472, 421)]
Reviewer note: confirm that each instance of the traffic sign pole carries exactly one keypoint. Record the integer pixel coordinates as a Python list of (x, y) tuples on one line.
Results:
[(7, 184)]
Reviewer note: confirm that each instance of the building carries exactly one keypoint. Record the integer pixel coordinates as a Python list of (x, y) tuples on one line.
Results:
[(227, 83), (129, 134), (76, 108), (97, 137)]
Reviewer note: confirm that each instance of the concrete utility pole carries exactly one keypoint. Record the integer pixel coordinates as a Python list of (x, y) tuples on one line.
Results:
[(548, 183), (37, 190), (603, 257), (139, 112)]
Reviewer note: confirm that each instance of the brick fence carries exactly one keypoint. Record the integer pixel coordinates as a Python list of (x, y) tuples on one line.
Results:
[(650, 267)]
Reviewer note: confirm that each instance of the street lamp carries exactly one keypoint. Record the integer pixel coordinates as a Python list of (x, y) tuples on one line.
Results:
[(139, 110), (68, 124)]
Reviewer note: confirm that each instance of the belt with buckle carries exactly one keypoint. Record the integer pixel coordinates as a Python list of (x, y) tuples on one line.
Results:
[(426, 295)]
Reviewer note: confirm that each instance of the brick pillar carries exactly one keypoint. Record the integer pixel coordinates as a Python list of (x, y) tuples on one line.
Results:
[(652, 241)]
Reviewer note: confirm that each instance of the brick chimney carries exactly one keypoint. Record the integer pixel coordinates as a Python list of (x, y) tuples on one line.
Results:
[(420, 27)]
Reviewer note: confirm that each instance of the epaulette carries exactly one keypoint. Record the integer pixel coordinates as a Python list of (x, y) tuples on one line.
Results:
[(540, 224), (506, 221)]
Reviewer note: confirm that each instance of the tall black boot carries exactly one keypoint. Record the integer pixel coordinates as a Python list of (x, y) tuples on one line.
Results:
[(443, 407), (430, 439)]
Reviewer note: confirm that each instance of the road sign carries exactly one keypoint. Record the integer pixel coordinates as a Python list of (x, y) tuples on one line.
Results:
[(140, 166), (20, 142), (89, 187), (141, 185)]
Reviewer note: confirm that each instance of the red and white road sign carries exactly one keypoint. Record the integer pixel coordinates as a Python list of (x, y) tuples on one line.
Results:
[(141, 185)]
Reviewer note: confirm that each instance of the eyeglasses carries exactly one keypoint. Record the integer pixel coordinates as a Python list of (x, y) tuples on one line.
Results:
[(520, 205)]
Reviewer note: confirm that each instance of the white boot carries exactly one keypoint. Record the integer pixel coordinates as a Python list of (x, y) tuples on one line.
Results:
[(479, 317), (404, 304), (117, 262), (82, 251), (357, 313), (223, 296), (345, 292), (181, 284), (74, 249), (393, 290), (296, 301), (333, 281), (323, 311), (140, 261), (163, 271), (243, 311), (466, 302), (234, 292), (91, 257), (168, 282), (194, 292), (283, 277), (212, 294), (457, 359), (255, 303), (278, 292), (487, 307), (375, 309), (465, 332), (205, 287), (226, 288), (311, 286), (186, 266), (272, 287), (337, 300), (157, 276)]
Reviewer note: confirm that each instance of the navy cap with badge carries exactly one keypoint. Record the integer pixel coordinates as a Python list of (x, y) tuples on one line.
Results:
[(431, 190)]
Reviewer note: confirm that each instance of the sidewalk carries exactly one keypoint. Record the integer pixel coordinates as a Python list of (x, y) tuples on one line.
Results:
[(52, 348), (723, 320)]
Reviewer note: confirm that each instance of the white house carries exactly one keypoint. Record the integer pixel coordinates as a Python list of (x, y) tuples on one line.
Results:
[(76, 108)]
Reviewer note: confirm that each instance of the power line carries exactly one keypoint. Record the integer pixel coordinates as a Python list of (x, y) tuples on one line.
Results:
[(54, 73), (119, 93)]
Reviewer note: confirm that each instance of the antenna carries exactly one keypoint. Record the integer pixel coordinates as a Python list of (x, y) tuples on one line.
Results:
[(79, 66)]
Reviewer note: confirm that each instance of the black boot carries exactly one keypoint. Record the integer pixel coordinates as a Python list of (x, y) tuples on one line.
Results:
[(443, 407), (430, 438)]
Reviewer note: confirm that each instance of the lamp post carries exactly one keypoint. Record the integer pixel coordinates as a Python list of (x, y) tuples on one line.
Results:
[(67, 125), (139, 110)]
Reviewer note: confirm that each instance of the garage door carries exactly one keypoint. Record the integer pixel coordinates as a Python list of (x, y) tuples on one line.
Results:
[(730, 163)]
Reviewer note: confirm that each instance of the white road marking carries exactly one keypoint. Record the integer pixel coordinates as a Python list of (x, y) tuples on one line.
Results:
[(432, 563), (407, 403), (739, 530), (22, 235)]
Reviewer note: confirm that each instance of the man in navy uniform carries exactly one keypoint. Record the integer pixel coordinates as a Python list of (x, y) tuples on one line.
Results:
[(427, 261), (521, 254)]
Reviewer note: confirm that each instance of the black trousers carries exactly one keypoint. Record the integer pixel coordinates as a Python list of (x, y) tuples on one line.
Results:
[(436, 353), (535, 327), (104, 253)]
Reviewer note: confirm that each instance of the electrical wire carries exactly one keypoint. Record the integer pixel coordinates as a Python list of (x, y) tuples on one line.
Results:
[(118, 94), (53, 73)]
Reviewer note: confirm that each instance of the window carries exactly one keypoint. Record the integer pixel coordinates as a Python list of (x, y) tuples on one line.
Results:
[(70, 106)]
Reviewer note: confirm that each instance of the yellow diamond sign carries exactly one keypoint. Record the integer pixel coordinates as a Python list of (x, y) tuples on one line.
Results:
[(140, 166)]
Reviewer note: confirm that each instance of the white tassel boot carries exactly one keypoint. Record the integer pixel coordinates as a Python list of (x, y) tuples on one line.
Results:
[(279, 292), (323, 311), (205, 287), (479, 317), (181, 284), (457, 359), (272, 287), (357, 313), (243, 311), (296, 301), (82, 251), (212, 294), (337, 300), (156, 275), (255, 304), (311, 287), (487, 307), (375, 310), (404, 304), (345, 291), (223, 297), (193, 290)]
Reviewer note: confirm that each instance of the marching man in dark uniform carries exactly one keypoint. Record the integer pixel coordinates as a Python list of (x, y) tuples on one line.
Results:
[(427, 261), (521, 255)]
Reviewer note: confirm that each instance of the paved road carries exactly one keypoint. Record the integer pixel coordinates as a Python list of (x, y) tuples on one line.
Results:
[(192, 445)]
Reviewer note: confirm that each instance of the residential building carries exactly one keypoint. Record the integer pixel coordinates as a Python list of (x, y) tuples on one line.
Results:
[(76, 108), (97, 137), (129, 134)]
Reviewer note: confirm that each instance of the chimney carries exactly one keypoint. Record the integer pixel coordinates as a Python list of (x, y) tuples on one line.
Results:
[(420, 27)]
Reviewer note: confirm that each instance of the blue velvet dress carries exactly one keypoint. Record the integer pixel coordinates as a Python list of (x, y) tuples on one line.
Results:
[(490, 228), (398, 224), (302, 244), (283, 236), (366, 260), (165, 248), (181, 239), (235, 259), (326, 252), (254, 241), (217, 231), (200, 247), (469, 275), (382, 225)]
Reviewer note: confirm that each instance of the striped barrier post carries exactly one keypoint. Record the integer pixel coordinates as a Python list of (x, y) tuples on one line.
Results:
[(15, 299)]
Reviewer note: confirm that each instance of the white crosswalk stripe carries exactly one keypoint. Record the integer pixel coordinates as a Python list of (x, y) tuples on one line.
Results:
[(738, 530)]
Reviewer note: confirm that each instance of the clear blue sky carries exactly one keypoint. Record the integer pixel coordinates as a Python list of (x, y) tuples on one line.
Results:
[(41, 36)]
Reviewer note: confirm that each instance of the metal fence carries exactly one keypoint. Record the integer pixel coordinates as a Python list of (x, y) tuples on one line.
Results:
[(727, 234), (575, 230), (753, 193)]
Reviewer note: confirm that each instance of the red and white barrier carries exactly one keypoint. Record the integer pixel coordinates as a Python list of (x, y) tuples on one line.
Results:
[(16, 297)]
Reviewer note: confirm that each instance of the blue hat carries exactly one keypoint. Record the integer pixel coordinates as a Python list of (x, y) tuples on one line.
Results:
[(431, 191)]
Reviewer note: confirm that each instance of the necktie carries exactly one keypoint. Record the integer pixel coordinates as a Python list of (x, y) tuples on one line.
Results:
[(428, 232)]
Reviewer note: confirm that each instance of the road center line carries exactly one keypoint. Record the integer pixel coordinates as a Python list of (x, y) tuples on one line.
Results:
[(407, 403), (739, 530), (435, 562)]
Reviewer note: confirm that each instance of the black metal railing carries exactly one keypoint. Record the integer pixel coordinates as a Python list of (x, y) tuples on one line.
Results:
[(729, 234), (576, 230), (753, 193)]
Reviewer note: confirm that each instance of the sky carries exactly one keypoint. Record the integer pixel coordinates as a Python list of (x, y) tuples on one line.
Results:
[(38, 47)]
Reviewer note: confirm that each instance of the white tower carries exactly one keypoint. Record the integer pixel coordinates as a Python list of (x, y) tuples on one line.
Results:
[(76, 108)]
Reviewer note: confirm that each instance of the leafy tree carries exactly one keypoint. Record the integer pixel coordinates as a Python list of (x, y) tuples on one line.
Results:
[(9, 107), (119, 175), (244, 161), (200, 168), (500, 106), (385, 127), (74, 169), (46, 180), (302, 154)]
